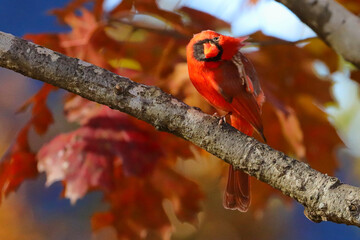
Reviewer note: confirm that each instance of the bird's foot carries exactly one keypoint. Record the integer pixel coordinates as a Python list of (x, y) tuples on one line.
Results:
[(222, 119)]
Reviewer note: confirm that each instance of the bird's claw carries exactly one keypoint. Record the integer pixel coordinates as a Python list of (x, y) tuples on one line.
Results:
[(222, 119)]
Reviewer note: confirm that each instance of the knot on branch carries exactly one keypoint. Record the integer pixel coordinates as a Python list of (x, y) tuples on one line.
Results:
[(118, 89), (354, 208), (335, 182), (316, 216)]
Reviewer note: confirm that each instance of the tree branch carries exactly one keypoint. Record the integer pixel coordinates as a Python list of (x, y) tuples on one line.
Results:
[(325, 198), (333, 23)]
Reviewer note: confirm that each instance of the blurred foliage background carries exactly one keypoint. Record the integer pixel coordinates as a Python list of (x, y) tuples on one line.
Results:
[(307, 87)]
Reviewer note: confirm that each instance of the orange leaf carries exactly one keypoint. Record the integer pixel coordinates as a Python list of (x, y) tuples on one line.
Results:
[(20, 162), (320, 138), (138, 211), (41, 117), (17, 165), (101, 219), (292, 131), (62, 13), (355, 75)]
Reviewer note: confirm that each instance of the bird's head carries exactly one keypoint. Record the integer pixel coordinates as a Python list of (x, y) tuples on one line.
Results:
[(210, 46)]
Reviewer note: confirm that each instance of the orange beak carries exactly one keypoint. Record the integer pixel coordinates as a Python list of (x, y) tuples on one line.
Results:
[(210, 50)]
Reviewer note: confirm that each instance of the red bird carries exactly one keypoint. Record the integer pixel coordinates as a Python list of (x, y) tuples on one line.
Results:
[(227, 80)]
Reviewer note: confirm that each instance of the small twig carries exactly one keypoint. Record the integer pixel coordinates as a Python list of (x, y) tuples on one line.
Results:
[(161, 31), (281, 42)]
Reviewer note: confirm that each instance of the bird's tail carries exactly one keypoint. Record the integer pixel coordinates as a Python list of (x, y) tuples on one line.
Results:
[(237, 192)]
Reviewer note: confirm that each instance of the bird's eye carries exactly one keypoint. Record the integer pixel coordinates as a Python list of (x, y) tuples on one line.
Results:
[(216, 39)]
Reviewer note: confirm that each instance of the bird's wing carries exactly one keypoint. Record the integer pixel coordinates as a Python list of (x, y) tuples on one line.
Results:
[(237, 82)]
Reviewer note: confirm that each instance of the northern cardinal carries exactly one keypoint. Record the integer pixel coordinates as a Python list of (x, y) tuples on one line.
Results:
[(228, 81)]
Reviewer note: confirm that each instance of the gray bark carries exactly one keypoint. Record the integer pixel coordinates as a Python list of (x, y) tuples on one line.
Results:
[(325, 198), (333, 23)]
